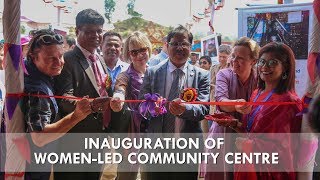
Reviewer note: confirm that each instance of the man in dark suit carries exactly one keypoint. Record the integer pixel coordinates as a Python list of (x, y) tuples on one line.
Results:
[(168, 79), (83, 75)]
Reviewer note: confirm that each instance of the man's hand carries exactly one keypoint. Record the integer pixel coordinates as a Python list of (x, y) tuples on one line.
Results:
[(83, 109), (116, 104), (100, 104), (176, 107)]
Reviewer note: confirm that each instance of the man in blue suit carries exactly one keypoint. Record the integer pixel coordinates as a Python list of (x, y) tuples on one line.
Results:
[(168, 79)]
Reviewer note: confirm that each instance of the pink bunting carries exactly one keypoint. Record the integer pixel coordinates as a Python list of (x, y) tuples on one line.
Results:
[(207, 10)]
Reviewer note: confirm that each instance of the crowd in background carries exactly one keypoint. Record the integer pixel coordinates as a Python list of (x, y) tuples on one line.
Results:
[(94, 64)]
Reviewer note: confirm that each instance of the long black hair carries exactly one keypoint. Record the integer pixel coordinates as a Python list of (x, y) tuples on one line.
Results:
[(283, 53)]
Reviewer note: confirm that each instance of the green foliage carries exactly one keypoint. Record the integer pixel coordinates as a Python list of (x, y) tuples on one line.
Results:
[(126, 27), (22, 29), (131, 10), (109, 7), (72, 30)]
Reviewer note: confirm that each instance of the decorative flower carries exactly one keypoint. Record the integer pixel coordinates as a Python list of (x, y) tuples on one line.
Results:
[(189, 94), (108, 82), (268, 16), (152, 106)]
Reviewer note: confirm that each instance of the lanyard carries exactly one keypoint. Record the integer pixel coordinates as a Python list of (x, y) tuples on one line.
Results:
[(254, 113)]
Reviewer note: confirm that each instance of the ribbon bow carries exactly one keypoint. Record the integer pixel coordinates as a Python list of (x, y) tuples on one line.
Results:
[(152, 106)]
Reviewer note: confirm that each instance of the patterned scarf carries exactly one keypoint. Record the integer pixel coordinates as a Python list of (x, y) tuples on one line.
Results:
[(133, 90)]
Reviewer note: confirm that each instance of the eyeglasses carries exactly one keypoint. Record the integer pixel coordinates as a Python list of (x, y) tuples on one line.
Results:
[(50, 39), (135, 52), (44, 39), (271, 63), (177, 44)]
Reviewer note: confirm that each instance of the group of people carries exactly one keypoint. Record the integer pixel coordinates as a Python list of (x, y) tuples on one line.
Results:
[(260, 75), (246, 73)]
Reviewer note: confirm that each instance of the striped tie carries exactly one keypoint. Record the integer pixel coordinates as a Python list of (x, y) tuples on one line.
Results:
[(169, 119)]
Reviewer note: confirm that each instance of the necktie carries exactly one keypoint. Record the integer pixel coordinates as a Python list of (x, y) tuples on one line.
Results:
[(95, 69), (169, 119), (98, 75), (101, 87), (176, 85)]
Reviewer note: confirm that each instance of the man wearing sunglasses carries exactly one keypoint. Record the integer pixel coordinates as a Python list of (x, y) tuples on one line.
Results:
[(45, 61), (168, 79), (84, 75)]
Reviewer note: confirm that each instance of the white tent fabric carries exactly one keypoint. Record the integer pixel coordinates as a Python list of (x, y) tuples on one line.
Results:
[(15, 163)]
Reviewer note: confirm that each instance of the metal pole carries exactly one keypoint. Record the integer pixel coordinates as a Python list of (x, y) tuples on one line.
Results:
[(190, 8), (59, 10)]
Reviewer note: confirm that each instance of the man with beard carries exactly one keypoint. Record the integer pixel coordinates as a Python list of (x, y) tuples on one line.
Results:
[(83, 75)]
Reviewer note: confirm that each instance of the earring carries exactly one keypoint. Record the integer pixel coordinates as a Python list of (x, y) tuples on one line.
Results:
[(284, 76)]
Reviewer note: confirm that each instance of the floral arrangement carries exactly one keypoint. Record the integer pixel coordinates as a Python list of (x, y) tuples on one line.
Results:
[(153, 105), (108, 82), (189, 94)]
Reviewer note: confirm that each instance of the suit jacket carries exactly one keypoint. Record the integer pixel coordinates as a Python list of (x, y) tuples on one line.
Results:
[(154, 82), (77, 79)]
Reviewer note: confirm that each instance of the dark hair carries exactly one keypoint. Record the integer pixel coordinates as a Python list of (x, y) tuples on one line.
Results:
[(284, 54), (180, 30), (249, 43), (159, 49), (70, 40), (112, 33), (35, 44), (207, 58), (89, 16)]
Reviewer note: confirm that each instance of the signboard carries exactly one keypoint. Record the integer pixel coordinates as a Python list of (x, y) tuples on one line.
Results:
[(289, 23), (209, 47)]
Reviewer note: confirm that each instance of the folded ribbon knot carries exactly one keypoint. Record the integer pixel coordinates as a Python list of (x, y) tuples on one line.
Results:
[(153, 105)]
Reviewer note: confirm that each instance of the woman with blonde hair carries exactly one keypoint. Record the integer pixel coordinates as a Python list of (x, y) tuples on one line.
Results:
[(137, 50)]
